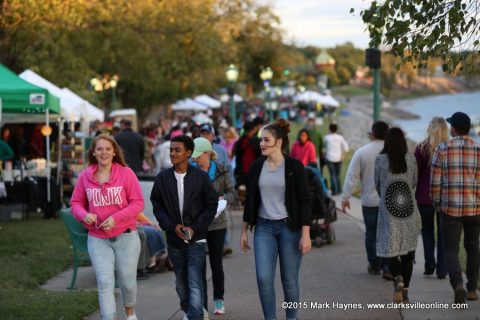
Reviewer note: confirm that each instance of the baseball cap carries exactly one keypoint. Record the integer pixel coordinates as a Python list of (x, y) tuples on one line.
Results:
[(207, 127), (201, 145), (459, 120)]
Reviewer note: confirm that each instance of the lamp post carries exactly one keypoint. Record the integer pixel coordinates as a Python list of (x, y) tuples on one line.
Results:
[(373, 60), (232, 75), (266, 75), (106, 83)]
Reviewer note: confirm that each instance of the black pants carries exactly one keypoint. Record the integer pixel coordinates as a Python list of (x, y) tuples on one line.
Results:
[(402, 266), (452, 230), (215, 240)]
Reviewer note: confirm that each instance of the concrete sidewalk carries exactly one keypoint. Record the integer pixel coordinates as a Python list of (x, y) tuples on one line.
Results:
[(331, 274), (425, 289)]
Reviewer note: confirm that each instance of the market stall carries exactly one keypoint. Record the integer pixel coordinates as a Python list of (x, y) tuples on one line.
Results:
[(24, 102)]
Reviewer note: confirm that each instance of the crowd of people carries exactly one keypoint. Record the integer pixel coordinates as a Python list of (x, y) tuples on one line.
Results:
[(401, 195), (404, 194)]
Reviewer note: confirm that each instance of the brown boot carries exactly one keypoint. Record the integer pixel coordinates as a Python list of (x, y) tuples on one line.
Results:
[(472, 295), (460, 294), (398, 289)]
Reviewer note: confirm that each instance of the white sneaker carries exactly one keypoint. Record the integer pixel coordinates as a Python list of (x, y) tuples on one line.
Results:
[(185, 317), (132, 317), (205, 314)]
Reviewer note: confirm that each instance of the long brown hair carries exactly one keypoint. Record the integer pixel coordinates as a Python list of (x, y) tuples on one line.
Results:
[(118, 157), (396, 148)]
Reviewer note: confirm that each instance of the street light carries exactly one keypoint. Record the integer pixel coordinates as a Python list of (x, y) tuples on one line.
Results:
[(106, 83), (266, 75), (232, 75)]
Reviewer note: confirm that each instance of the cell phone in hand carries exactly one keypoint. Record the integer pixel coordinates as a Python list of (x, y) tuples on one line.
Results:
[(187, 234)]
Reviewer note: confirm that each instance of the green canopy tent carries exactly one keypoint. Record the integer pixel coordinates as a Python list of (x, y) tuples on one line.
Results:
[(19, 97), (23, 102)]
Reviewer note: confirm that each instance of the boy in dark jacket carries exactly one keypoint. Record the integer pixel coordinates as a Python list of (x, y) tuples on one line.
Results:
[(184, 203)]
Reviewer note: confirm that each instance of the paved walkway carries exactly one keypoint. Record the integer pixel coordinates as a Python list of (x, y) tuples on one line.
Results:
[(332, 273)]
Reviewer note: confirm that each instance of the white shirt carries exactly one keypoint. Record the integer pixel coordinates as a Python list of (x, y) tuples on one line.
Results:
[(361, 169), (181, 193), (180, 189), (162, 156), (335, 146)]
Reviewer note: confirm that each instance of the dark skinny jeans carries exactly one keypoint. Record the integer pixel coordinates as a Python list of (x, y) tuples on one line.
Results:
[(215, 240), (402, 266)]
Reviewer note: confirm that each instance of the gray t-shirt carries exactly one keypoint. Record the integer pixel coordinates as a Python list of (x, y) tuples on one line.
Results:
[(272, 192)]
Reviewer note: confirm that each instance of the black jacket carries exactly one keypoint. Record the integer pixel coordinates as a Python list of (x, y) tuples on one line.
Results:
[(297, 194), (133, 148), (199, 207)]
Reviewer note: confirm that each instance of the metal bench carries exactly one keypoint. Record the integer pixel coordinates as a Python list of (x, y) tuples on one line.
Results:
[(78, 237)]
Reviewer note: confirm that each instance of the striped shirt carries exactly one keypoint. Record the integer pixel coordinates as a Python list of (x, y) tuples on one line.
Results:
[(455, 177)]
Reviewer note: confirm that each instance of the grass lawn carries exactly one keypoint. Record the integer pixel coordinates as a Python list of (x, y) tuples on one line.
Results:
[(349, 91), (31, 252)]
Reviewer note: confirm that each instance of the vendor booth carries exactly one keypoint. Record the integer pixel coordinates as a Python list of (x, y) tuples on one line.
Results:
[(23, 102)]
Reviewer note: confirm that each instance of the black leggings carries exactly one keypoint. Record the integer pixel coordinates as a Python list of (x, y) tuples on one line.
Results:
[(402, 266), (215, 241)]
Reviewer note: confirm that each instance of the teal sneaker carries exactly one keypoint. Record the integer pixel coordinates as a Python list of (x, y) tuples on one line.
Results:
[(219, 307)]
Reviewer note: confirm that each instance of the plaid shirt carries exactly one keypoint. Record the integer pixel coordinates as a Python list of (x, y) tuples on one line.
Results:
[(455, 177)]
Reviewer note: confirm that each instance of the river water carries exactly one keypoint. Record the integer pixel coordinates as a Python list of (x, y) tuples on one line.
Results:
[(437, 106)]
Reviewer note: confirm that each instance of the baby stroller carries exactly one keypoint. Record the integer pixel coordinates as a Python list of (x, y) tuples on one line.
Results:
[(324, 211)]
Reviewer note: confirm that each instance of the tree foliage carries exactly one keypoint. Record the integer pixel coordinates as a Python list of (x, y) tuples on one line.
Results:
[(162, 50), (418, 30)]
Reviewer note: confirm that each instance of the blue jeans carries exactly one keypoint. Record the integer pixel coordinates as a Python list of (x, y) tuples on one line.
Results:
[(115, 254), (370, 217), (334, 171), (188, 264), (428, 215), (155, 240), (273, 239)]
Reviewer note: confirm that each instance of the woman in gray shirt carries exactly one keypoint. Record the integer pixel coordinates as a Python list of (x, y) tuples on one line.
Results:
[(278, 205)]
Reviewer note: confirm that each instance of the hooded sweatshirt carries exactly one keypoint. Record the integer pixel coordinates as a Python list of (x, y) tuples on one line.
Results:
[(120, 197)]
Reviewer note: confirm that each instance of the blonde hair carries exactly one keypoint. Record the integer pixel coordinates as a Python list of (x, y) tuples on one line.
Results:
[(118, 157), (437, 133)]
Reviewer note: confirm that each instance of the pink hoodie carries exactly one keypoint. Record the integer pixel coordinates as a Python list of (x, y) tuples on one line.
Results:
[(121, 197)]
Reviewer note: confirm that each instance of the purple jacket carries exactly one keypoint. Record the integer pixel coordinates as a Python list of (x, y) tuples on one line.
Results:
[(423, 184)]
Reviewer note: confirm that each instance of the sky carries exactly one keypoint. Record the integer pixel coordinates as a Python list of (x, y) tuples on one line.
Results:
[(322, 23)]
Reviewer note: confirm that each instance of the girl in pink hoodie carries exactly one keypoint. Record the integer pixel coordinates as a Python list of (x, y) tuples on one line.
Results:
[(107, 199)]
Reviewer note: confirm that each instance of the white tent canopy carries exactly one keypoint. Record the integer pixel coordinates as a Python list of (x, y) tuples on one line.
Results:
[(69, 109), (188, 105), (226, 98), (314, 96), (89, 111), (208, 101), (73, 107), (330, 101), (123, 112)]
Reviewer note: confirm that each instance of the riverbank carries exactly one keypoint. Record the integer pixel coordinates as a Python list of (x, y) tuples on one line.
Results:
[(359, 119)]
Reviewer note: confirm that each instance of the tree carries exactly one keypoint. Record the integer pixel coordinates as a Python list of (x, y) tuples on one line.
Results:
[(418, 30), (162, 50)]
